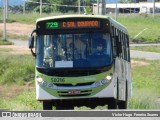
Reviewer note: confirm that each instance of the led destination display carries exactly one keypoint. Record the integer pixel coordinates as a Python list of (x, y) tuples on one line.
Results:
[(73, 24)]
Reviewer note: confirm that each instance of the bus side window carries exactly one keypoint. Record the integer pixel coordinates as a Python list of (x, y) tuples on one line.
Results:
[(119, 44), (114, 46)]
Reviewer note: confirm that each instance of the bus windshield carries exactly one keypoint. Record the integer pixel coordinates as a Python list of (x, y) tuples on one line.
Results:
[(74, 50)]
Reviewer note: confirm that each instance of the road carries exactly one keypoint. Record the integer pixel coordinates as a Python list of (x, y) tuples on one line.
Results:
[(134, 54), (145, 55)]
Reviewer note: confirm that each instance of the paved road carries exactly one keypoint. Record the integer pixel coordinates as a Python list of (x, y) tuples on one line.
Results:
[(20, 42), (145, 55), (134, 54)]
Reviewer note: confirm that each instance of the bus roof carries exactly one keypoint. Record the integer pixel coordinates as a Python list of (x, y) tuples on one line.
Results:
[(115, 23)]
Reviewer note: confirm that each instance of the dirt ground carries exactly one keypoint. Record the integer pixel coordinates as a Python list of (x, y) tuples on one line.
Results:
[(135, 63), (14, 49), (17, 28)]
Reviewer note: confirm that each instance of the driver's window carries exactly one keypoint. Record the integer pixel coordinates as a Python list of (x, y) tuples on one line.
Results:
[(49, 51)]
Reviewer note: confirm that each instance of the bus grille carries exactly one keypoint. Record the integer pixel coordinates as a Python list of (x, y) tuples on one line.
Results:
[(70, 85)]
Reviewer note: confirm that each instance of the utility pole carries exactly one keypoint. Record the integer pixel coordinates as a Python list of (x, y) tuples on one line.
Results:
[(24, 7), (79, 6), (6, 9), (153, 8), (4, 16), (97, 7), (103, 7), (116, 11), (40, 7)]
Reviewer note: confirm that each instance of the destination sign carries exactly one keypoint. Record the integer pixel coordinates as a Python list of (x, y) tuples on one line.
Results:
[(73, 24)]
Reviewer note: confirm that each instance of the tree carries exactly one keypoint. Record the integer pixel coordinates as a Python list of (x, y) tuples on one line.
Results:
[(125, 1), (31, 6), (58, 5)]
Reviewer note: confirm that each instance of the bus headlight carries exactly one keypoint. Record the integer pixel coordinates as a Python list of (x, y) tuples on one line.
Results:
[(106, 80), (108, 77), (103, 81), (39, 80)]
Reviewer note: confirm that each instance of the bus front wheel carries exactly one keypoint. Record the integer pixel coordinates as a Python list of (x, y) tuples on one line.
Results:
[(47, 105)]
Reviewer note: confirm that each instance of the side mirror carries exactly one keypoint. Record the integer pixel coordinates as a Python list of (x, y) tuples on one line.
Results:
[(31, 42)]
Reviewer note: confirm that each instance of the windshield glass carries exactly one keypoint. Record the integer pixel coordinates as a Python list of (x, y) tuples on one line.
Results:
[(74, 50)]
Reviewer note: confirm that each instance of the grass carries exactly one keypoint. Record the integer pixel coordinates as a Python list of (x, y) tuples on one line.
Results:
[(16, 77), (146, 86), (147, 76), (18, 37), (144, 99), (147, 48), (30, 18), (16, 69), (25, 101), (5, 49), (136, 24), (5, 42)]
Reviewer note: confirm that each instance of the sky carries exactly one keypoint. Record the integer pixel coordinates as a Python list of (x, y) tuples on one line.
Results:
[(12, 2), (20, 2)]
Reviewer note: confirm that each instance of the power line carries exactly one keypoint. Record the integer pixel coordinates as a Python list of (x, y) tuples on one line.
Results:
[(56, 4)]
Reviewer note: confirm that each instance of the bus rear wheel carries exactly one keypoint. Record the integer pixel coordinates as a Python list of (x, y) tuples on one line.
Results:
[(47, 105)]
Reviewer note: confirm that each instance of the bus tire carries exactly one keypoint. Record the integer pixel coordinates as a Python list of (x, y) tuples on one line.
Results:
[(47, 105), (113, 104), (124, 104)]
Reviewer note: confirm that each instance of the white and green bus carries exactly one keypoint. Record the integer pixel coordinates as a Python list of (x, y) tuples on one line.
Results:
[(81, 60)]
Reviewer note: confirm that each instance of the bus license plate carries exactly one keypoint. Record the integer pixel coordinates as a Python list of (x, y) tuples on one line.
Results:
[(74, 92)]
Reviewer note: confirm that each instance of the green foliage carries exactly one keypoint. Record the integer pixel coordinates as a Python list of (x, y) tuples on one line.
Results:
[(147, 48), (28, 98), (144, 99), (147, 76), (125, 1), (63, 6), (45, 9), (146, 85), (25, 101), (16, 69), (16, 9), (136, 24)]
